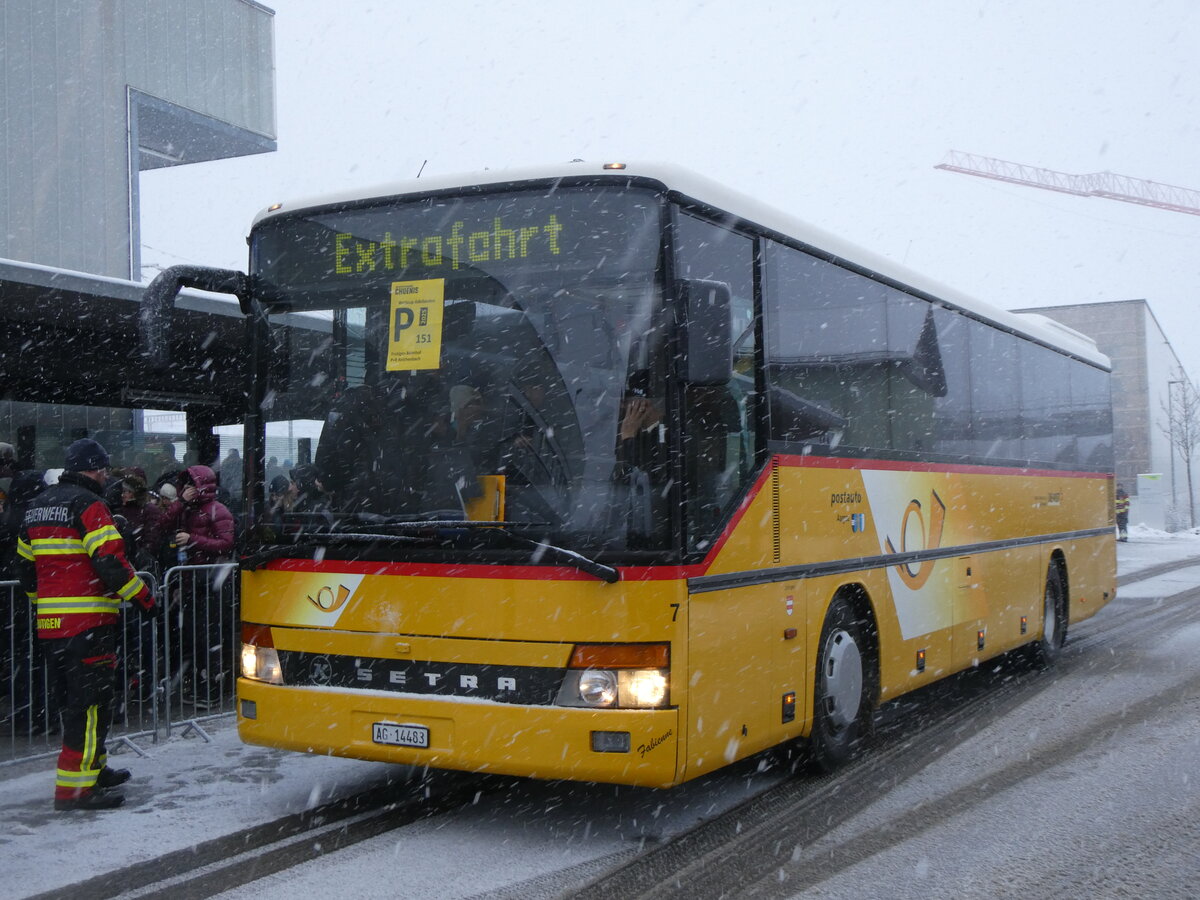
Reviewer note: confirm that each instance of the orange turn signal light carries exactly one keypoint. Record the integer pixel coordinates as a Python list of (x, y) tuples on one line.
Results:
[(620, 656), (258, 635)]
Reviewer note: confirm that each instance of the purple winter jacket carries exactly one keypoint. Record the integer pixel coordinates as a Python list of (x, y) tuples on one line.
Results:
[(206, 519)]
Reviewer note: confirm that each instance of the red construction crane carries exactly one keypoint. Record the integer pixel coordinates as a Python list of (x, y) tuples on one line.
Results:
[(1097, 184)]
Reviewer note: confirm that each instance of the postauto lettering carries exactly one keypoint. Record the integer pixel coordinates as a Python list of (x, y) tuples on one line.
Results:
[(355, 256)]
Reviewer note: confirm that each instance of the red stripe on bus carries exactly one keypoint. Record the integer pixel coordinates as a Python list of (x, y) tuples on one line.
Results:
[(842, 462)]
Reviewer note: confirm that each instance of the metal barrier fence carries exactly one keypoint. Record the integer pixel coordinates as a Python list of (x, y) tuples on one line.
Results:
[(177, 666)]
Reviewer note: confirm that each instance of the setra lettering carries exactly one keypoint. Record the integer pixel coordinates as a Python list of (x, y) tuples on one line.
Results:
[(400, 677)]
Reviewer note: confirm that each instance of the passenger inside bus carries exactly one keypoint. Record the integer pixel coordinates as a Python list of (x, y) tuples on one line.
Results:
[(642, 471)]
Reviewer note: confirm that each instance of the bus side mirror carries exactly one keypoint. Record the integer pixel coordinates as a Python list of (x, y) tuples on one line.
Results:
[(708, 332)]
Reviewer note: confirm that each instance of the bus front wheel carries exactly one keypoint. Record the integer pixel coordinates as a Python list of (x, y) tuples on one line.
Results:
[(842, 711)]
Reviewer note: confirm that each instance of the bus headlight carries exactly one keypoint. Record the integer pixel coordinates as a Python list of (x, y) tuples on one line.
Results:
[(617, 676), (645, 688), (598, 687), (261, 664), (260, 661)]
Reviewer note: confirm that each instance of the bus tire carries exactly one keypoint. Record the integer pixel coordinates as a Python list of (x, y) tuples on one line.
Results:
[(1048, 647), (843, 699)]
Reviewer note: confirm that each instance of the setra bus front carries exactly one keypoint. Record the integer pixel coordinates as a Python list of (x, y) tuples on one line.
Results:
[(483, 565)]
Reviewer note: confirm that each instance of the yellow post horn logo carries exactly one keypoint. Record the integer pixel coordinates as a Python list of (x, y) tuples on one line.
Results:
[(915, 578), (325, 600)]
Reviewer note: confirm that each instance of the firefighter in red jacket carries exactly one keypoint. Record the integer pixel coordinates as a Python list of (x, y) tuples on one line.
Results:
[(74, 569), (1122, 511)]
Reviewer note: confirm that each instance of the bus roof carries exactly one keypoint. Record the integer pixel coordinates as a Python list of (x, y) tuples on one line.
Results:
[(686, 184)]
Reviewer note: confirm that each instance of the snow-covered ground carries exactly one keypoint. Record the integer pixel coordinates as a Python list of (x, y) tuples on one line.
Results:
[(1092, 792), (1148, 547), (188, 790)]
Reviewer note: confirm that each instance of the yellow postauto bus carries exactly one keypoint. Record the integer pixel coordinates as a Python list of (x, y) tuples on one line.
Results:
[(621, 477)]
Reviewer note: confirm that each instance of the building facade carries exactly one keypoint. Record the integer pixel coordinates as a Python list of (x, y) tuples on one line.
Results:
[(95, 92)]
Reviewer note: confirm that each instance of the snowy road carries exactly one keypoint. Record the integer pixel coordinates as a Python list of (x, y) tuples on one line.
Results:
[(1087, 788)]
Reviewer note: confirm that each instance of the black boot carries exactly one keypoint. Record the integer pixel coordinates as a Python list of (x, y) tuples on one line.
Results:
[(110, 778), (97, 798)]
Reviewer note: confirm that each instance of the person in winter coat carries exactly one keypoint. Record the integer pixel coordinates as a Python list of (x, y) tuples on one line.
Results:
[(203, 530), (145, 520), (203, 526), (74, 570), (21, 665), (25, 485), (8, 465), (231, 476)]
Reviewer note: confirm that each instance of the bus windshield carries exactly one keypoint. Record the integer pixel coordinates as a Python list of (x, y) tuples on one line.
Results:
[(469, 358)]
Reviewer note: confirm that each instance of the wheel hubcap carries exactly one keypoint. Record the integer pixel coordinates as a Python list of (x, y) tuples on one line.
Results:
[(1050, 618), (843, 679)]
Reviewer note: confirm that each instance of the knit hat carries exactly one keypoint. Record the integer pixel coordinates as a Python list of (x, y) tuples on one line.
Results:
[(135, 486), (85, 455)]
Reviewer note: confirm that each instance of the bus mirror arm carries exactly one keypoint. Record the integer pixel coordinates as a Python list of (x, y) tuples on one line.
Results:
[(158, 302)]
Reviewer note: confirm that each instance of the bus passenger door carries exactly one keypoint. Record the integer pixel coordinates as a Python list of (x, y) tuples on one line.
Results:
[(741, 663)]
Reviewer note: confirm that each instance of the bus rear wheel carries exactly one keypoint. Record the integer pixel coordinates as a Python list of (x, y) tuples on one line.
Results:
[(842, 709), (1048, 648)]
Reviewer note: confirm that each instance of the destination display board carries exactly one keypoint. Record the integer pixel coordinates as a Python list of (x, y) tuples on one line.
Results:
[(309, 258)]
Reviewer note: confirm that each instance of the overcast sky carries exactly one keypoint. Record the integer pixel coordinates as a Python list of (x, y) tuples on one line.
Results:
[(836, 112)]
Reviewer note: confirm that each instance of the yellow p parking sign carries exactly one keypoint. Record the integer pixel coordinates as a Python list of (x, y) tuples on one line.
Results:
[(415, 325)]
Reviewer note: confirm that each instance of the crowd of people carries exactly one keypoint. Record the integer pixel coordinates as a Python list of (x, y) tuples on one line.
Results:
[(179, 514)]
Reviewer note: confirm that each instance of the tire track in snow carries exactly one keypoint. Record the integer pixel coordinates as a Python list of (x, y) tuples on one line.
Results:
[(723, 856), (242, 857), (813, 866)]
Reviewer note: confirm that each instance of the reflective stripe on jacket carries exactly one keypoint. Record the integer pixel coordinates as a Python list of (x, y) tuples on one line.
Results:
[(73, 564)]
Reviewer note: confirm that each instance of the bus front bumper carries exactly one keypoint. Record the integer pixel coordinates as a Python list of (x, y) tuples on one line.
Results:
[(508, 739)]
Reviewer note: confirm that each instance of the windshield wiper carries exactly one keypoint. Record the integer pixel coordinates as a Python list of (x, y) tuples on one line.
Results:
[(607, 574), (316, 541)]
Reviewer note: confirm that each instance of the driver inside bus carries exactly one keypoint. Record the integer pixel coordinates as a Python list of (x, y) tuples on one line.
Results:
[(643, 467), (641, 435)]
